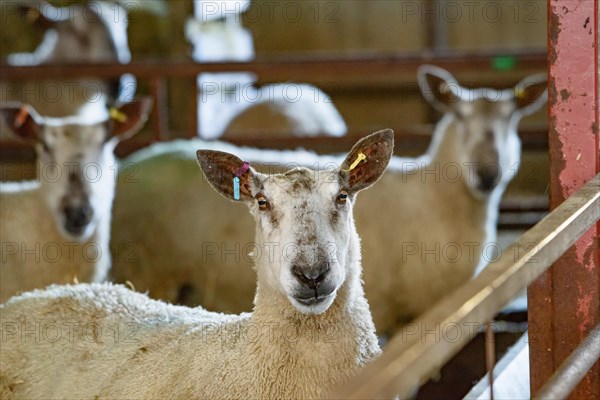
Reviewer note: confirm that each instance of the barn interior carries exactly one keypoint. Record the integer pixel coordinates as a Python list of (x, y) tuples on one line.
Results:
[(214, 69)]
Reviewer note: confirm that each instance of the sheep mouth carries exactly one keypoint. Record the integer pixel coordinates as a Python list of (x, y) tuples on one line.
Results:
[(311, 301)]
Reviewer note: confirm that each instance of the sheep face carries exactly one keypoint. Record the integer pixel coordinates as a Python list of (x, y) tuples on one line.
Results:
[(77, 175), (76, 165), (486, 121), (304, 228), (304, 225), (487, 142)]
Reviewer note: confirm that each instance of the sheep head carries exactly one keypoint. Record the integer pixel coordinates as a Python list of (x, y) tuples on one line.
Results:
[(305, 235), (486, 121), (76, 166)]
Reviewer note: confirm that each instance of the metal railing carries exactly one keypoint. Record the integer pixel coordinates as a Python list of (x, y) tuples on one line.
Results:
[(384, 73), (573, 369), (411, 357)]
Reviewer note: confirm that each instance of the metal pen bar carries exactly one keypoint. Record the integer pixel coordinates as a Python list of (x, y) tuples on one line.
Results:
[(573, 369), (283, 68), (160, 116), (412, 356)]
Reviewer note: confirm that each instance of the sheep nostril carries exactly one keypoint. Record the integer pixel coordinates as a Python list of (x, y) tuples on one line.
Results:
[(299, 274), (488, 178), (311, 277), (322, 273)]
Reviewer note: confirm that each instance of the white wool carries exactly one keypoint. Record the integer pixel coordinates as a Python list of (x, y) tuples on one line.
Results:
[(289, 347), (36, 253)]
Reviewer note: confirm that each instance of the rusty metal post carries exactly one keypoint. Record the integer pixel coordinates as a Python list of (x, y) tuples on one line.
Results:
[(564, 303)]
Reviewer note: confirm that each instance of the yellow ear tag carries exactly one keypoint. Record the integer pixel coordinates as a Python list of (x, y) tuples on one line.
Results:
[(359, 158), (117, 115), (519, 93), (32, 16)]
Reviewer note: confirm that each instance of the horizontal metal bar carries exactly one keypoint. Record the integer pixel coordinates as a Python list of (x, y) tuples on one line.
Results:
[(525, 203), (573, 369), (532, 136), (425, 345), (282, 67)]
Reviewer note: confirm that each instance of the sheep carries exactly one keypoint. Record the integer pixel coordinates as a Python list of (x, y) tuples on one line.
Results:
[(434, 239), (57, 229), (396, 260), (230, 102), (310, 328), (95, 33)]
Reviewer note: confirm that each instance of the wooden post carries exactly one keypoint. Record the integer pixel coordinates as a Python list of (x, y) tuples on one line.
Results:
[(564, 303)]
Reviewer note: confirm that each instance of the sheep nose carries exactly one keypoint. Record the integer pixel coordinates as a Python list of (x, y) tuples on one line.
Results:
[(488, 178), (77, 217), (311, 277)]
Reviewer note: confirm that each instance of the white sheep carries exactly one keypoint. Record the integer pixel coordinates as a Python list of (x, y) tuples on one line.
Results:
[(310, 329), (95, 32), (57, 229), (230, 102)]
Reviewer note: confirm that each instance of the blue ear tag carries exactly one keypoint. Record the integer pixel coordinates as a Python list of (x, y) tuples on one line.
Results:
[(236, 188), (236, 180)]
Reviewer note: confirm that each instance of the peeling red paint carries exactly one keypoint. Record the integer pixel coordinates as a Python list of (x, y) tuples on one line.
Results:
[(564, 95), (572, 285)]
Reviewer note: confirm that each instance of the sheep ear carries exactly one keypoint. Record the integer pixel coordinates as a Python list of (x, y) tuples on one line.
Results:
[(531, 93), (128, 118), (367, 160), (221, 168), (23, 120), (438, 87), (43, 14), (32, 14)]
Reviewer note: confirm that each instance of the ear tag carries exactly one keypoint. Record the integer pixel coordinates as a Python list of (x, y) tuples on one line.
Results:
[(236, 188), (519, 93), (359, 158), (32, 16), (236, 179), (21, 117), (117, 115)]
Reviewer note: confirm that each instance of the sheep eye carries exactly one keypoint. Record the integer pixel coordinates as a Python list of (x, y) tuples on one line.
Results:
[(342, 197), (263, 204)]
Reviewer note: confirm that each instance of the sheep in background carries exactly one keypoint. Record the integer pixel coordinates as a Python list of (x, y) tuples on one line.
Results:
[(310, 330), (95, 33), (230, 103), (439, 215), (58, 229)]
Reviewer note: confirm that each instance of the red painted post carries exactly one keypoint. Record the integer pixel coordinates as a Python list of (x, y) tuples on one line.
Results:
[(564, 304)]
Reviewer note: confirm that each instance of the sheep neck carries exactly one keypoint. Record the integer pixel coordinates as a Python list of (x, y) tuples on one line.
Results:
[(443, 150), (100, 239)]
